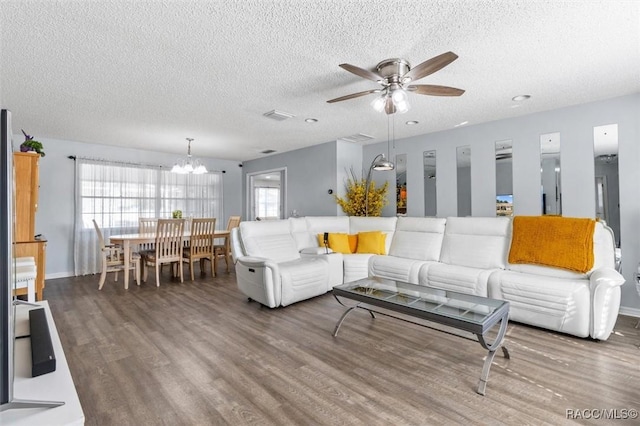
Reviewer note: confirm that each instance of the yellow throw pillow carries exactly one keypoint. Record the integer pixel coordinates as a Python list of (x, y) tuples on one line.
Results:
[(371, 242), (353, 242), (338, 242)]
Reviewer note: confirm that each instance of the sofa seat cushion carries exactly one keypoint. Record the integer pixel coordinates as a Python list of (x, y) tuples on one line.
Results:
[(461, 279), (396, 268), (303, 278), (559, 304), (356, 266)]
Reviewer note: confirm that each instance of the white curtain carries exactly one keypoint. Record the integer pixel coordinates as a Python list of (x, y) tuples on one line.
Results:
[(117, 194)]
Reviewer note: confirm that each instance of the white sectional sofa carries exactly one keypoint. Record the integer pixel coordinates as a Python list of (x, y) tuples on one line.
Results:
[(281, 262)]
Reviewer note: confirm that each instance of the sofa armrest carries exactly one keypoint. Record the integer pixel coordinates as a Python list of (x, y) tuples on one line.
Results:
[(259, 279), (256, 262), (604, 284), (607, 277), (314, 251)]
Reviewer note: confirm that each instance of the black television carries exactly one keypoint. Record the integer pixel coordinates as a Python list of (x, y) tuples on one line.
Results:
[(6, 258)]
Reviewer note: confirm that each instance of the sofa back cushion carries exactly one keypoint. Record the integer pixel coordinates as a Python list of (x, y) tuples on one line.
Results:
[(305, 230), (476, 242), (418, 238), (366, 224), (271, 239)]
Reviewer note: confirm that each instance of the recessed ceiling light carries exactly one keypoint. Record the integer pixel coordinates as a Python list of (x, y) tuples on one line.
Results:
[(520, 98), (311, 120), (411, 123), (461, 124)]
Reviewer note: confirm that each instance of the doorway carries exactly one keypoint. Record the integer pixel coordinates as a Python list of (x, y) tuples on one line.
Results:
[(267, 194)]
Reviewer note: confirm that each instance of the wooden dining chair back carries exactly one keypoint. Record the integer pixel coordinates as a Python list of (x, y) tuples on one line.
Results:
[(147, 225), (168, 248), (224, 250), (112, 259), (200, 244)]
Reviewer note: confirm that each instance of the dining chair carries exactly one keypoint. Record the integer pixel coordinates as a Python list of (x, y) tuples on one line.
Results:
[(224, 250), (147, 225), (200, 244), (168, 248), (113, 259)]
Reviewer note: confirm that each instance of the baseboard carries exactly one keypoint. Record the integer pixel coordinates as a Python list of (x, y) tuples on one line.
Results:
[(55, 275), (631, 312)]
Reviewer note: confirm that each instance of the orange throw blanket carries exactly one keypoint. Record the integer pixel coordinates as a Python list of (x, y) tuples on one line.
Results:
[(561, 242)]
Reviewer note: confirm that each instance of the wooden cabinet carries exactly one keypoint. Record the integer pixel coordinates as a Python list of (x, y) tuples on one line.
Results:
[(26, 245), (26, 173)]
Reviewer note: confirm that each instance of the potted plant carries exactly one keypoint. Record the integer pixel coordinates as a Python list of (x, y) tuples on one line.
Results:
[(31, 145)]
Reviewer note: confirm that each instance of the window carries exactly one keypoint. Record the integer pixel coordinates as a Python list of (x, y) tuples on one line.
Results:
[(117, 194), (267, 202)]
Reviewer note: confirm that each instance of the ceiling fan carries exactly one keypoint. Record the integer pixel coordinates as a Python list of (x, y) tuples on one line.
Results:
[(395, 76)]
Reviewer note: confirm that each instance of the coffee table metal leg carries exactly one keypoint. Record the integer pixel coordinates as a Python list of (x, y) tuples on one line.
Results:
[(349, 309), (335, 331), (492, 348)]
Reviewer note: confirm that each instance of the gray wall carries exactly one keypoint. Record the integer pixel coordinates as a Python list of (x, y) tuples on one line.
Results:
[(311, 172), (55, 215), (575, 125)]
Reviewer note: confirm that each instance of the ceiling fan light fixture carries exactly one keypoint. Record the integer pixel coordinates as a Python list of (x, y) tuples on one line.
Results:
[(378, 103), (402, 107), (398, 96)]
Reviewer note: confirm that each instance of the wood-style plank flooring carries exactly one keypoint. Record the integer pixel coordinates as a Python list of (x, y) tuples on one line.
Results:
[(198, 353)]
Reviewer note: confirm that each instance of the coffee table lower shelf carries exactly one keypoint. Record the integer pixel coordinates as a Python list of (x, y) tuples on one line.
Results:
[(497, 312)]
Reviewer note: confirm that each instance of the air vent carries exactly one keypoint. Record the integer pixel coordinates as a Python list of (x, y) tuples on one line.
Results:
[(278, 115), (359, 137), (268, 151)]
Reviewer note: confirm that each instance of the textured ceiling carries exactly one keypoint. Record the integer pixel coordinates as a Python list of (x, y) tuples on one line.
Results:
[(148, 74)]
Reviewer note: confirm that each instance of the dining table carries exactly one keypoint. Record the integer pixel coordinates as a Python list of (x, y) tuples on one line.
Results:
[(128, 240)]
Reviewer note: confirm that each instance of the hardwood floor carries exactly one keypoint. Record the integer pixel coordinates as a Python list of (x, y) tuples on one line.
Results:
[(200, 354)]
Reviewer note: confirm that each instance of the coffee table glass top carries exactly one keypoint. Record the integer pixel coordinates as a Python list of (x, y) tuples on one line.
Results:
[(416, 298)]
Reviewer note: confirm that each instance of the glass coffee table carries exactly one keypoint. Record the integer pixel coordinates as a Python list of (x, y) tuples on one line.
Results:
[(474, 314)]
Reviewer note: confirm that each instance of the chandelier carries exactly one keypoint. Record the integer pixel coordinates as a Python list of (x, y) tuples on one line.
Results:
[(189, 165)]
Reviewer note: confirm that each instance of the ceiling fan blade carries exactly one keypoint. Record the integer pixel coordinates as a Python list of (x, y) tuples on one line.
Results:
[(430, 89), (430, 66), (361, 72), (353, 95)]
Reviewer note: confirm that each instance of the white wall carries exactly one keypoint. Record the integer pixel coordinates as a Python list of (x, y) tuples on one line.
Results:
[(575, 125), (55, 215)]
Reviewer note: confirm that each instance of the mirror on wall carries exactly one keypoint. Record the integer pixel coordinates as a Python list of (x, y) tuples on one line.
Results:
[(550, 174), (463, 163), (504, 178), (401, 184), (605, 152), (430, 187)]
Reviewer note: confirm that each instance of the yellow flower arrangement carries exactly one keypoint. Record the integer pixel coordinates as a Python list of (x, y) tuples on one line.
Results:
[(353, 203)]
